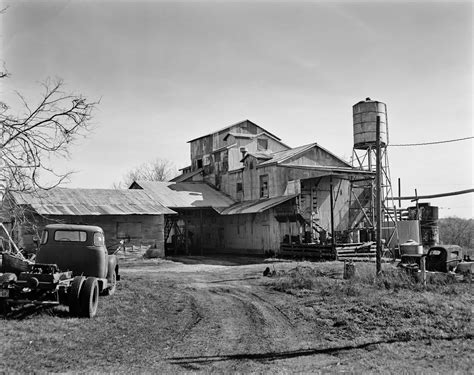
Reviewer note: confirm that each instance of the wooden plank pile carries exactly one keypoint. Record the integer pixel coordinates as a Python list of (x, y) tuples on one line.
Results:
[(357, 251), (308, 251)]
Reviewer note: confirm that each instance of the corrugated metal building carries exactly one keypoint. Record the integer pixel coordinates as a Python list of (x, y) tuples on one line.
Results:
[(123, 214), (198, 226), (269, 193)]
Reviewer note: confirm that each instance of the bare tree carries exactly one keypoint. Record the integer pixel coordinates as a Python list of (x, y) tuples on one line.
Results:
[(156, 170), (40, 131)]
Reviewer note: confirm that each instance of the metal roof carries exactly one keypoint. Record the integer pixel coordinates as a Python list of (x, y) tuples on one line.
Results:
[(240, 135), (258, 155), (332, 170), (256, 206), (251, 135), (280, 156), (185, 176), (229, 126), (82, 202), (185, 194)]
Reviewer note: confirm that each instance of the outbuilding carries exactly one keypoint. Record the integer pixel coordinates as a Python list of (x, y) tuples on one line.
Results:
[(128, 215)]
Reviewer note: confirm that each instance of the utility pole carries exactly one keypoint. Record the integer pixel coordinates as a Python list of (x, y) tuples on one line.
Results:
[(331, 199), (378, 203)]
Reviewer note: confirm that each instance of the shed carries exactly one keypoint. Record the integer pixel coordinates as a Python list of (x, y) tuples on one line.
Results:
[(128, 215), (197, 225)]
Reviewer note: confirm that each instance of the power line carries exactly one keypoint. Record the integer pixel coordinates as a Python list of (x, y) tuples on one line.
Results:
[(431, 143)]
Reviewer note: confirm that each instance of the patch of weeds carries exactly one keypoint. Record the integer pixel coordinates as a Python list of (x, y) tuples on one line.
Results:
[(294, 280)]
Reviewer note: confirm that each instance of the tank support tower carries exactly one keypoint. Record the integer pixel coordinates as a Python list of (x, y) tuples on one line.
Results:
[(363, 191)]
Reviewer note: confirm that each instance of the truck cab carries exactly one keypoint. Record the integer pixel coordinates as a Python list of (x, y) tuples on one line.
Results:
[(80, 249)]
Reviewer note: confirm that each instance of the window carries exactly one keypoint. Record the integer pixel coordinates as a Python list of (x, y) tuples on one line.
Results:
[(264, 186), (44, 237), (70, 235), (239, 187), (262, 144), (199, 163), (99, 239)]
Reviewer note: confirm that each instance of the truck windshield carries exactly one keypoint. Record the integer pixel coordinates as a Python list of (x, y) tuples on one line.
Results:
[(70, 235)]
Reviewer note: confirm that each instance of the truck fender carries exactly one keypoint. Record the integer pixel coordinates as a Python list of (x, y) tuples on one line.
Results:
[(112, 267)]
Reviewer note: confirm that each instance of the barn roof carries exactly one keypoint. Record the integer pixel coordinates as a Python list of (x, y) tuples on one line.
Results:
[(184, 194), (230, 126), (84, 202), (283, 156), (256, 206), (185, 176)]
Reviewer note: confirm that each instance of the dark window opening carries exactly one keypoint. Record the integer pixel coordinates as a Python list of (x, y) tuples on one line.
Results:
[(262, 144), (264, 186), (239, 187), (199, 163)]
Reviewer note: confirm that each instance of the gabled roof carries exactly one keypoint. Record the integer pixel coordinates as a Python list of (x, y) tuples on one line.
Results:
[(239, 135), (184, 194), (255, 206), (283, 156), (229, 126), (185, 176), (258, 155), (84, 202)]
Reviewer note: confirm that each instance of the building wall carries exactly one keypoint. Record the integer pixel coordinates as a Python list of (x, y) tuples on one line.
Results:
[(218, 156), (209, 143), (142, 229), (208, 232), (257, 234)]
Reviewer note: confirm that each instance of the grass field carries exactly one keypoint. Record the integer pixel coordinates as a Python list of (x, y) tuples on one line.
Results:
[(216, 317)]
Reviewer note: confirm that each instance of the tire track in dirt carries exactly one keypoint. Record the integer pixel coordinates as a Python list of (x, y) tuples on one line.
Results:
[(232, 319), (190, 323)]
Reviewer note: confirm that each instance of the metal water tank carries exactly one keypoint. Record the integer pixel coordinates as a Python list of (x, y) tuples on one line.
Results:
[(364, 116), (411, 248)]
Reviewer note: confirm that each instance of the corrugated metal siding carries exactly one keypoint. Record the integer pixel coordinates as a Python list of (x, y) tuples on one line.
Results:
[(63, 201)]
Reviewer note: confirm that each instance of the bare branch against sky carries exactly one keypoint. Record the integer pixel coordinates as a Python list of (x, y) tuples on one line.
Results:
[(168, 72)]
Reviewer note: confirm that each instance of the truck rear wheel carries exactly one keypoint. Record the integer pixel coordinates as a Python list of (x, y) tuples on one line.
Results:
[(73, 295), (113, 285), (89, 297)]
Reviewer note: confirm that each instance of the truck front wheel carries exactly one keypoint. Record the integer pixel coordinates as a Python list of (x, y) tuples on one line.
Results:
[(89, 297), (73, 295)]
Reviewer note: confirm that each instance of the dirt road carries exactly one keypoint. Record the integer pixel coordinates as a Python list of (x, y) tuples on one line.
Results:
[(223, 315), (231, 320)]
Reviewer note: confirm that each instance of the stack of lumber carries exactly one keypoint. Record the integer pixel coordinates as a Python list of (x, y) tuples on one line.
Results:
[(308, 251), (356, 251)]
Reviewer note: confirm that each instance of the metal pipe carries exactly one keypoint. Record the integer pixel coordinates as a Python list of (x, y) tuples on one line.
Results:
[(399, 193), (414, 198)]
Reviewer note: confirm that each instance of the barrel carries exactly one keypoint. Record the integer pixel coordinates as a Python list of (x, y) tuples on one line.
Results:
[(411, 248)]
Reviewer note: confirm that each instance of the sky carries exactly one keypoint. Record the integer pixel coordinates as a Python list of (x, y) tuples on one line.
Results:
[(168, 72)]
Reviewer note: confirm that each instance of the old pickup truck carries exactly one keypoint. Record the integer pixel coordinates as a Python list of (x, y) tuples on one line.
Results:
[(72, 267)]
